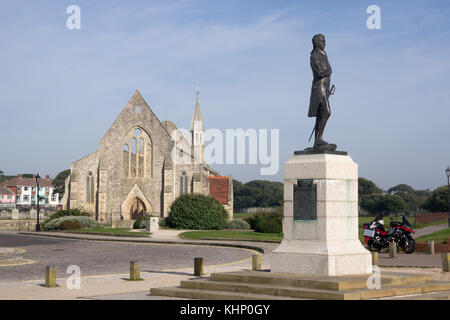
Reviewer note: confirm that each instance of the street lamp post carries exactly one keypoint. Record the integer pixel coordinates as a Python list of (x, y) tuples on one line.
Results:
[(447, 171), (38, 178)]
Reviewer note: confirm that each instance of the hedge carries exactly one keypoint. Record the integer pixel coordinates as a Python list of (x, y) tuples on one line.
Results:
[(266, 222)]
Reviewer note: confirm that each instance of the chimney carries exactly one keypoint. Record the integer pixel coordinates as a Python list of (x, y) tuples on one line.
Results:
[(47, 177)]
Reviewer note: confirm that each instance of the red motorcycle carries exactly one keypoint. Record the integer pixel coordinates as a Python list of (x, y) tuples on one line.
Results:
[(400, 232)]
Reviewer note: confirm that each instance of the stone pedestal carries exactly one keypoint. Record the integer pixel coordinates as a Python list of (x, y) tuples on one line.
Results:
[(153, 224), (320, 222), (15, 214)]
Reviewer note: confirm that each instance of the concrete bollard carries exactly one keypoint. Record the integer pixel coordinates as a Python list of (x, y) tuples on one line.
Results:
[(50, 276), (256, 262), (374, 258), (198, 267), (392, 249), (135, 271), (445, 262), (430, 247)]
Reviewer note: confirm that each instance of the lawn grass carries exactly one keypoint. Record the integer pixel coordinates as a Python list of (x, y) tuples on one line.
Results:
[(252, 235), (438, 236), (231, 234), (110, 232)]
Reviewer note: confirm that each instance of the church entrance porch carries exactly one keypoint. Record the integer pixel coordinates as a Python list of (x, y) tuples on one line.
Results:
[(135, 205), (137, 209)]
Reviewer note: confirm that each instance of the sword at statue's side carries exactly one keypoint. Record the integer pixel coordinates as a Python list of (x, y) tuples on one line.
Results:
[(330, 93)]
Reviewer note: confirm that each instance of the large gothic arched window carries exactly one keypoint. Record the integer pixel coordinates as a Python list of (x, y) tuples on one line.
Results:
[(134, 151)]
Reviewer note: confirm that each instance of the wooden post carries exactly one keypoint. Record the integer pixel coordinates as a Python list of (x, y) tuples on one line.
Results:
[(50, 276), (445, 262), (198, 267), (135, 271), (430, 247), (392, 249), (375, 258), (256, 262)]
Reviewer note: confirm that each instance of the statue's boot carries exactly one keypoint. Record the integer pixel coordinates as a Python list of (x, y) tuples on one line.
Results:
[(326, 147), (320, 142)]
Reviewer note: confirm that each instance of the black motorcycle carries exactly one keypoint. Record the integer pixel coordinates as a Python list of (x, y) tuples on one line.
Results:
[(377, 238)]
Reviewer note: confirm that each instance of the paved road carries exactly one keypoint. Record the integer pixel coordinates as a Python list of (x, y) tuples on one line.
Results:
[(99, 257)]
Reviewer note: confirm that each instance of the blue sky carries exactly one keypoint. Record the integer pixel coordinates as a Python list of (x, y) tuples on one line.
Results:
[(61, 89)]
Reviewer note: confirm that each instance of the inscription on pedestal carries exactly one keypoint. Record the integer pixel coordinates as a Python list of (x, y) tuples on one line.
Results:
[(305, 200)]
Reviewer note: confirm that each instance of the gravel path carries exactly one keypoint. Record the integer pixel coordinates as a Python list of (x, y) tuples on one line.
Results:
[(428, 230)]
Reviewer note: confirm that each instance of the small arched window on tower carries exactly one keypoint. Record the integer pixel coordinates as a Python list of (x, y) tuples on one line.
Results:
[(183, 183)]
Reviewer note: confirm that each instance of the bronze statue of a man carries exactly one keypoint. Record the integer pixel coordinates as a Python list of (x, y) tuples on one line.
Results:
[(319, 105)]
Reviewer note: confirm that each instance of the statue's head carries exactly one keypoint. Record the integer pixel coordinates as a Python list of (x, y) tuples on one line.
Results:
[(319, 41)]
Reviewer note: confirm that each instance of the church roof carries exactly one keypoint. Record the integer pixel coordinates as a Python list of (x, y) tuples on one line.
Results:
[(169, 126)]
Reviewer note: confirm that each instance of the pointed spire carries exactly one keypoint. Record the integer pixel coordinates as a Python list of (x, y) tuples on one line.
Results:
[(197, 118)]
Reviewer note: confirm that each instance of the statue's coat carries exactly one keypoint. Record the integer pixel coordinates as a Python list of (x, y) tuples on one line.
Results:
[(321, 81)]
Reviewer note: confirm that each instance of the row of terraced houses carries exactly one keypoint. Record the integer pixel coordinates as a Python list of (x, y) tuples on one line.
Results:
[(21, 192)]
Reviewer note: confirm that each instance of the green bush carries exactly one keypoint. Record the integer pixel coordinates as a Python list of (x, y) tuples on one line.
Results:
[(163, 222), (270, 225), (70, 225), (141, 222), (237, 224), (85, 222), (251, 220), (66, 213), (266, 222), (196, 211)]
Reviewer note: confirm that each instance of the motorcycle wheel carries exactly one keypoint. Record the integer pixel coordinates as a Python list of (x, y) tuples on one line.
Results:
[(409, 245), (373, 247)]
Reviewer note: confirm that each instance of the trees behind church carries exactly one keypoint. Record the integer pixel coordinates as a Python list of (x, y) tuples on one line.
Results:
[(257, 193), (401, 198), (59, 183), (372, 199)]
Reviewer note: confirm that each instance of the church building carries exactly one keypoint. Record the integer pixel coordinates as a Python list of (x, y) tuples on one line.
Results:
[(142, 165)]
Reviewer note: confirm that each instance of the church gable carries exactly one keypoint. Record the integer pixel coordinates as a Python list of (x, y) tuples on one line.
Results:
[(137, 113), (120, 141)]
